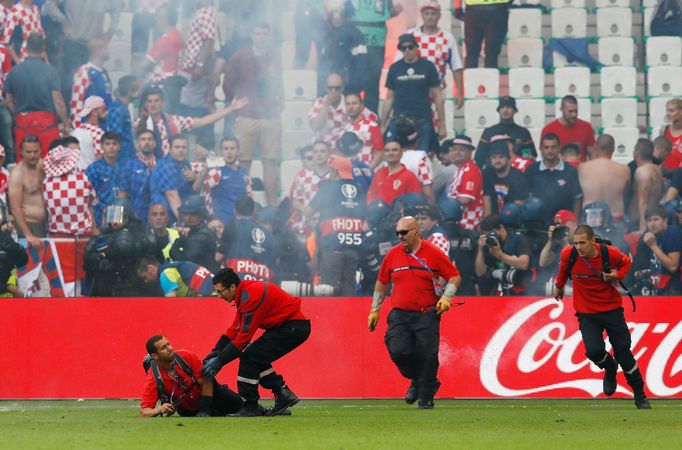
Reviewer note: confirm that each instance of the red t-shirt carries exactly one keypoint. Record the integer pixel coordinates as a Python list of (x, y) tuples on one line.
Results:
[(175, 388), (591, 294), (580, 133), (387, 186), (165, 54), (674, 159), (413, 284), (261, 304)]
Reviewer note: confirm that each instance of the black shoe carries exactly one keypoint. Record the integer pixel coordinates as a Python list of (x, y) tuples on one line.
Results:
[(610, 370), (412, 393), (283, 400), (249, 410), (641, 402), (425, 404)]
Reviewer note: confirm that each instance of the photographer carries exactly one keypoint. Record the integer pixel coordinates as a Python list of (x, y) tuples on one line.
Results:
[(503, 256), (12, 255), (560, 235)]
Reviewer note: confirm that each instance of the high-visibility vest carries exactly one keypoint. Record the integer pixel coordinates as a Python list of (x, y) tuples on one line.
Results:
[(484, 2), (172, 235)]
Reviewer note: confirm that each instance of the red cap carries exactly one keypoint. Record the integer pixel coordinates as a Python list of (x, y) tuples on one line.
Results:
[(343, 166), (564, 216)]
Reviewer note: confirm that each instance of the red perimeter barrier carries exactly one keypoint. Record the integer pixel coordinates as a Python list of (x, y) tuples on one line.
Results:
[(490, 347)]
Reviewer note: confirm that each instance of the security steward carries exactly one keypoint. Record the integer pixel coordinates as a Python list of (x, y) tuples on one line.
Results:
[(483, 20), (415, 267), (598, 306), (264, 305)]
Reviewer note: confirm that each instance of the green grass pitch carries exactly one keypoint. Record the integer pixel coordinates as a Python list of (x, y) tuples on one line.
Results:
[(350, 424)]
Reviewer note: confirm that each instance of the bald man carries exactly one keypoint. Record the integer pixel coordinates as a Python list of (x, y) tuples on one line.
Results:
[(327, 117), (604, 180), (414, 266)]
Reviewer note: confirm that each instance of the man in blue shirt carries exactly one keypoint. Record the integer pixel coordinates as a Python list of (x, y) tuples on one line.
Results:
[(133, 181), (119, 120), (172, 180), (103, 173), (228, 183)]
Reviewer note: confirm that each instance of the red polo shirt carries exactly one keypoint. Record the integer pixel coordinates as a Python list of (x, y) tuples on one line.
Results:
[(413, 278), (580, 133), (175, 388), (388, 187)]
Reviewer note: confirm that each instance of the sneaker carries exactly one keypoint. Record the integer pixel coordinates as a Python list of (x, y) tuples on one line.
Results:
[(610, 383), (283, 400), (425, 404), (249, 410), (412, 393), (641, 402)]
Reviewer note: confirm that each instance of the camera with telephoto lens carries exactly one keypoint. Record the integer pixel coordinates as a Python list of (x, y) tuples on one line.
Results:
[(491, 239), (560, 232), (508, 277), (299, 289)]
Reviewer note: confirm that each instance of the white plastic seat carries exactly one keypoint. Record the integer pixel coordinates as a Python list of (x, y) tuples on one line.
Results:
[(481, 83), (556, 4), (524, 22), (527, 82), (664, 81), (572, 81), (584, 109), (531, 113), (524, 52), (559, 60), (569, 23), (124, 31), (295, 116), (619, 112), (612, 3), (664, 51), (121, 59), (616, 51), (614, 22), (656, 112), (625, 140), (300, 84), (618, 81), (480, 114), (650, 3), (475, 135), (647, 15), (293, 140)]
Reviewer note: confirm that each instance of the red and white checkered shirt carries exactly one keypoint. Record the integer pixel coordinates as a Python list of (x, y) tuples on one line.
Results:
[(418, 162), (68, 198), (150, 6), (201, 29), (5, 67), (521, 163), (337, 121), (179, 123), (440, 49), (4, 12), (467, 182), (4, 185), (369, 132), (304, 187), (28, 18), (81, 81), (440, 241)]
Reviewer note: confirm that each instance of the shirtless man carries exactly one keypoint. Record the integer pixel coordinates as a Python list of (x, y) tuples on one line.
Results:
[(648, 183), (602, 179), (25, 193)]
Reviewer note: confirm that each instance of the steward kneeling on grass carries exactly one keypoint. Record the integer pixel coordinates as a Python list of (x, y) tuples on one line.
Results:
[(174, 381)]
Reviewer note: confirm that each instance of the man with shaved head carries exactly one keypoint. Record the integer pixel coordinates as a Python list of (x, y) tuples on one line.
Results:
[(416, 268)]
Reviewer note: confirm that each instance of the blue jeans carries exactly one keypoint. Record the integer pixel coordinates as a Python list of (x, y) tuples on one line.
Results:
[(427, 139)]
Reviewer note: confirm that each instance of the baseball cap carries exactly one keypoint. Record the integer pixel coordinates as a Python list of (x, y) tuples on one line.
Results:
[(508, 102), (343, 166), (499, 147), (407, 38), (564, 216)]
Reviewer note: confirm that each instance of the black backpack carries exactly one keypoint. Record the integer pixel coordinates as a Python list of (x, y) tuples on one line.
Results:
[(605, 263), (149, 363)]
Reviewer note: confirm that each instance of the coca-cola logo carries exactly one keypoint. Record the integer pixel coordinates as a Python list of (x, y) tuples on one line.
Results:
[(539, 349)]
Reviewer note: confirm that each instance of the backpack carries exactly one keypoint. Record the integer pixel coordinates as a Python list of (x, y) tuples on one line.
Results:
[(605, 263), (149, 363)]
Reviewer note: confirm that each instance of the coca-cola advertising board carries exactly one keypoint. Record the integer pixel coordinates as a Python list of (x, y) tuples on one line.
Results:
[(490, 347)]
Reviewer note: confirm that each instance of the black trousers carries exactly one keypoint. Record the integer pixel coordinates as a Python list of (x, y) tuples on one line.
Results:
[(484, 22), (592, 328), (412, 340), (375, 63), (255, 362), (225, 400)]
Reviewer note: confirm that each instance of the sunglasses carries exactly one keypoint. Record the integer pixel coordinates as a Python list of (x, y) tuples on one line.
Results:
[(334, 88), (31, 138), (408, 47), (403, 232), (221, 292)]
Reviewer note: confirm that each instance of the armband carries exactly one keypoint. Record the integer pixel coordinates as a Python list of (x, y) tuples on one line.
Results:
[(378, 299), (450, 290)]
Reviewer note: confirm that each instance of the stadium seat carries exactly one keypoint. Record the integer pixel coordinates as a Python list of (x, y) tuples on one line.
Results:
[(647, 15), (124, 31), (524, 52), (584, 109), (256, 169), (475, 135), (619, 112), (559, 60), (616, 51), (650, 3), (614, 22), (664, 51), (572, 81), (524, 22), (612, 3), (295, 116), (556, 4), (287, 172), (625, 139), (527, 82), (293, 140), (569, 23), (663, 81), (531, 113), (481, 83), (300, 84), (120, 59), (657, 114), (480, 114), (288, 54), (618, 81)]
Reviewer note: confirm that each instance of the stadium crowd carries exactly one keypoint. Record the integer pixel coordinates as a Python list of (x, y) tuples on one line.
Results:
[(137, 169)]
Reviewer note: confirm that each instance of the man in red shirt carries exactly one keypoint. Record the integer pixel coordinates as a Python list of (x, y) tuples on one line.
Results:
[(598, 306), (466, 183), (571, 129), (415, 266), (259, 304), (395, 179), (189, 394)]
